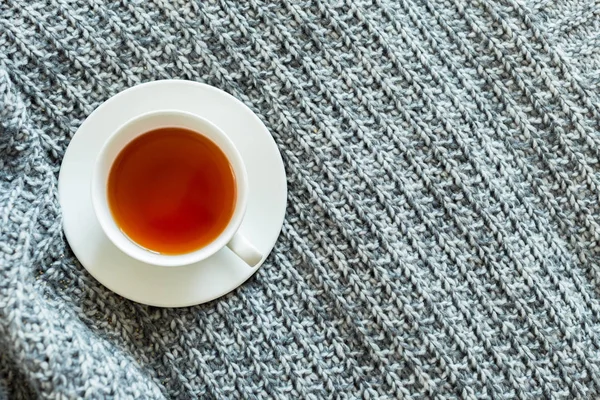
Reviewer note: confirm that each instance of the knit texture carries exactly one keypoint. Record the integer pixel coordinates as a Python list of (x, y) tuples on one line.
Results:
[(442, 236)]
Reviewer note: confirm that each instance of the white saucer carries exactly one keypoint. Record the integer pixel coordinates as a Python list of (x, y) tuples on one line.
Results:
[(172, 286)]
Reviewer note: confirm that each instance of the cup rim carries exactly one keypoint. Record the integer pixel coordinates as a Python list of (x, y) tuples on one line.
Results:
[(128, 245)]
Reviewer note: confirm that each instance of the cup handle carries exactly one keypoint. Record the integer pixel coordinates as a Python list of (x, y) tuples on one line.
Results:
[(244, 250)]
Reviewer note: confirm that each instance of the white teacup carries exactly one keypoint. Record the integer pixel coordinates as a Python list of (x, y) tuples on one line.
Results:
[(229, 237)]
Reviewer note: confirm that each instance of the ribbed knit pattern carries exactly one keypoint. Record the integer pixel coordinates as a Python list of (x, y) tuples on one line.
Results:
[(442, 236)]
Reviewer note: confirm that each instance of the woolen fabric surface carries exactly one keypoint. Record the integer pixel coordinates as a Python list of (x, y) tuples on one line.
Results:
[(442, 236)]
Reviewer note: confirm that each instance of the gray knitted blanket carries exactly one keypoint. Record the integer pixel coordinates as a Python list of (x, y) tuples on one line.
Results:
[(442, 237)]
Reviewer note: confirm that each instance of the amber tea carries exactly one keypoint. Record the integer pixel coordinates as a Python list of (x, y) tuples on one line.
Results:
[(172, 190)]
